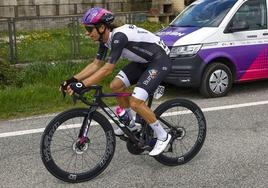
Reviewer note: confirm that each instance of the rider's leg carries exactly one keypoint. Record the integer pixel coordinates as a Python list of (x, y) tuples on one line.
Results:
[(148, 115), (163, 138), (117, 86), (146, 85)]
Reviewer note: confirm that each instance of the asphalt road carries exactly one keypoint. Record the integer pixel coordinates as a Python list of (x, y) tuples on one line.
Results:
[(235, 153)]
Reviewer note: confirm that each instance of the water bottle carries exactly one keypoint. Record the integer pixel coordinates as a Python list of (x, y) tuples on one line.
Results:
[(123, 115)]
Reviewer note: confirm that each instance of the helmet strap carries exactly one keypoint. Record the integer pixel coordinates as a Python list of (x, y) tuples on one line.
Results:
[(100, 33)]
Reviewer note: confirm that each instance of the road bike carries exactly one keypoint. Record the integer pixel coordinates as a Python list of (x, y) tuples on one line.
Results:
[(78, 144)]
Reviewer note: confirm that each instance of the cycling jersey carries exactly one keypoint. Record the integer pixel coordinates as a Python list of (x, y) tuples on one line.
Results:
[(133, 43), (148, 55)]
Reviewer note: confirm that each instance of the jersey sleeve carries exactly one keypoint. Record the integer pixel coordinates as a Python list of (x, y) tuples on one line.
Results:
[(102, 52), (118, 43)]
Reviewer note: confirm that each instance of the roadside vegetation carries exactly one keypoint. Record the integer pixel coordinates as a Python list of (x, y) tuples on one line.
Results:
[(33, 89)]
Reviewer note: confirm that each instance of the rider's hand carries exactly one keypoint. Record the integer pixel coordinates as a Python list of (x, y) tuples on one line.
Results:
[(65, 84), (75, 88)]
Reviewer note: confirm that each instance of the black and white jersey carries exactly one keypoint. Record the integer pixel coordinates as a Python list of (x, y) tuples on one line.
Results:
[(133, 43)]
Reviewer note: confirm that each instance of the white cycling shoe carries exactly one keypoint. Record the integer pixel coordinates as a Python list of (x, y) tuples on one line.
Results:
[(119, 132), (160, 146)]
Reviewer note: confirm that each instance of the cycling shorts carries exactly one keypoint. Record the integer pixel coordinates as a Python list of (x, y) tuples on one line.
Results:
[(147, 76)]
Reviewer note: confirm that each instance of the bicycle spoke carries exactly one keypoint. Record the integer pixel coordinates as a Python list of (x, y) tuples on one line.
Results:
[(90, 158), (62, 149), (87, 162), (95, 134), (69, 164), (73, 132), (67, 130), (75, 164)]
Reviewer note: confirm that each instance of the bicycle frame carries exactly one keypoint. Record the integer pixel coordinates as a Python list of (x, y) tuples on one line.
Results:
[(98, 102)]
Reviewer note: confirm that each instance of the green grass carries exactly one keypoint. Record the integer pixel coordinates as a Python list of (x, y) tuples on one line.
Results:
[(39, 91), (52, 45)]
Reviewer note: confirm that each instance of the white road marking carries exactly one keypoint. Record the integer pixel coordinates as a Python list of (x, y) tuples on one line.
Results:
[(217, 108)]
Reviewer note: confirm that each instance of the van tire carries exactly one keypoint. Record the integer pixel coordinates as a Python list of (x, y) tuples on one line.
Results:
[(213, 87)]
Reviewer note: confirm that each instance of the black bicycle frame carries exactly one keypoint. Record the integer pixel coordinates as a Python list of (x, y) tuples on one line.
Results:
[(98, 102)]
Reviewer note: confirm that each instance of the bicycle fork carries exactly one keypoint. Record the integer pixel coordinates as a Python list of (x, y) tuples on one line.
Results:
[(85, 126)]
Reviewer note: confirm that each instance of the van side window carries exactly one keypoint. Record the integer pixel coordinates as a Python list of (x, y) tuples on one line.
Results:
[(254, 13)]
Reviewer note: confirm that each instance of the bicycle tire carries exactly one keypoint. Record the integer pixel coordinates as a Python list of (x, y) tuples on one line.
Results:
[(48, 138), (190, 109)]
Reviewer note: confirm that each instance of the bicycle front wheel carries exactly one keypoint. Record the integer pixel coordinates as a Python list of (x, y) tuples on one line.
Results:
[(63, 154), (185, 121)]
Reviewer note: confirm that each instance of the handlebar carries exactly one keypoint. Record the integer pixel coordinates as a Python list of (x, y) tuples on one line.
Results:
[(81, 96)]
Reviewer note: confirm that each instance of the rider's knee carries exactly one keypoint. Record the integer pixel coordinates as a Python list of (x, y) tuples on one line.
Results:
[(135, 103), (113, 86), (116, 86)]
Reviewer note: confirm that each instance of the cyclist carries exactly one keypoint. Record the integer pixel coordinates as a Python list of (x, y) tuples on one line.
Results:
[(149, 64)]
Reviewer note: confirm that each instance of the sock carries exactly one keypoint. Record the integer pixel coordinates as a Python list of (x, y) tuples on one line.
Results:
[(159, 130), (132, 121)]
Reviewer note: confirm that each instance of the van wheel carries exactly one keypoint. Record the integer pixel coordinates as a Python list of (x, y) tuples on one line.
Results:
[(217, 80)]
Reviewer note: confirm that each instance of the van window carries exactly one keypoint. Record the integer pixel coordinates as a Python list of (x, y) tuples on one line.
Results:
[(204, 13), (254, 13)]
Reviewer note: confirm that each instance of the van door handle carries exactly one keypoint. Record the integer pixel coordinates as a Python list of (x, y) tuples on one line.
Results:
[(252, 36), (265, 34)]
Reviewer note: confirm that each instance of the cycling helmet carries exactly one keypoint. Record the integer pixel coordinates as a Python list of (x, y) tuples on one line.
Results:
[(95, 16)]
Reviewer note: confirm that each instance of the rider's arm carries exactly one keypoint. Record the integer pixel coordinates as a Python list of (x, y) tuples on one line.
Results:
[(118, 43), (99, 75), (89, 70), (95, 65)]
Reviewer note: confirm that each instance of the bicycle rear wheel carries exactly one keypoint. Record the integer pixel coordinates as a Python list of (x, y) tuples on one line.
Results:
[(64, 156), (187, 127)]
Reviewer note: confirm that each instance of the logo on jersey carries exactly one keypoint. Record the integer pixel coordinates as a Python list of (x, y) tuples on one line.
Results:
[(152, 75), (79, 85), (131, 27)]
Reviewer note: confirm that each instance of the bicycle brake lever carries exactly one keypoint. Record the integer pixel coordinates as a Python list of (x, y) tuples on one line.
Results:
[(63, 91), (74, 97)]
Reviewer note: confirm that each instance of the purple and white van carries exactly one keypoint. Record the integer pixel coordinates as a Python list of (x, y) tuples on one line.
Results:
[(215, 43)]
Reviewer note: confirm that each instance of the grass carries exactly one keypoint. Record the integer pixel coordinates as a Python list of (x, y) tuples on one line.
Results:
[(39, 91), (52, 45)]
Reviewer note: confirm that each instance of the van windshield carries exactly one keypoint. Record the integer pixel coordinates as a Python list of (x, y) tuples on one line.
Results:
[(204, 13)]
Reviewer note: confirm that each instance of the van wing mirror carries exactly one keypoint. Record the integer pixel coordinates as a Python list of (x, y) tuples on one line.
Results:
[(237, 26)]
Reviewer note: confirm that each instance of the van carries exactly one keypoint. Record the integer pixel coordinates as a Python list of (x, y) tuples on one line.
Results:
[(214, 43)]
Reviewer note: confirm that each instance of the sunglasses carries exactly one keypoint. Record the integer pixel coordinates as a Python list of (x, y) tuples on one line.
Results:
[(89, 28)]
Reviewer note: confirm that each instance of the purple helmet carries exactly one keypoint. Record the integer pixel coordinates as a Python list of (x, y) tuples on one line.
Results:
[(96, 16)]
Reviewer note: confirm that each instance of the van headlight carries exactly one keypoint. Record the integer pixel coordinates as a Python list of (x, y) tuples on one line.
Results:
[(182, 51)]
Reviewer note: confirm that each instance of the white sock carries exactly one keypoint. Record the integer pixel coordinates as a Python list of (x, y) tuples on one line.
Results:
[(159, 130), (132, 121)]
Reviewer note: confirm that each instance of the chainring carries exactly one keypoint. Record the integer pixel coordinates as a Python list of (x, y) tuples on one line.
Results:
[(133, 148)]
